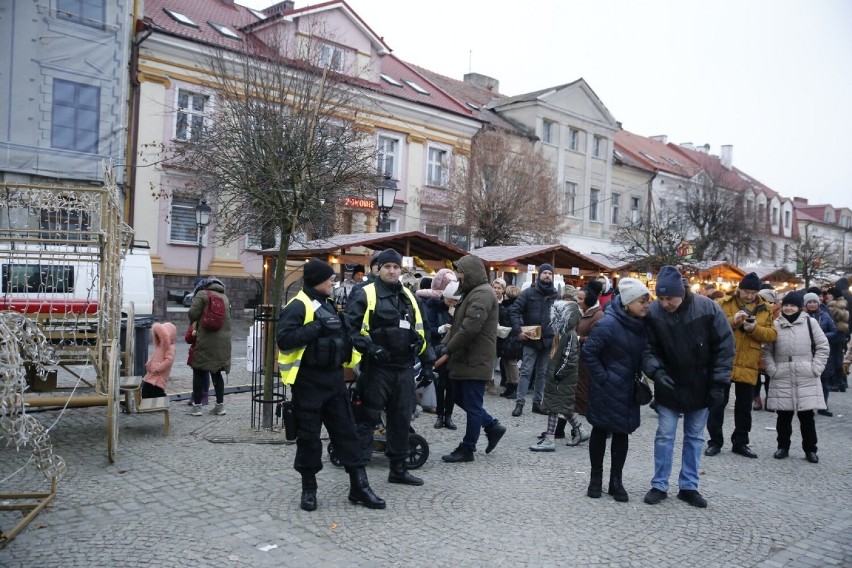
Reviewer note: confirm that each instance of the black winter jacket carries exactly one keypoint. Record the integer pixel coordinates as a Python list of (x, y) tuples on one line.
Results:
[(533, 308), (694, 346)]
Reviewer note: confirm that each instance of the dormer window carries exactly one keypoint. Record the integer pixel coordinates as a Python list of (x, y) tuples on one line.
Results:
[(416, 87), (180, 18), (224, 30), (649, 156), (257, 13), (331, 57)]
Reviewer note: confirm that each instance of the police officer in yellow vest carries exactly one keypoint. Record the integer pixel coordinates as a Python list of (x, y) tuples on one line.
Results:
[(385, 321), (313, 346)]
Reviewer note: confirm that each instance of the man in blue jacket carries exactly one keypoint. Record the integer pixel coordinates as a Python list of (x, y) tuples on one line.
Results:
[(533, 308), (690, 357)]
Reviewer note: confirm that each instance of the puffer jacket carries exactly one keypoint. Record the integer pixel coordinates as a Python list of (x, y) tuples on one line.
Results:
[(613, 354), (794, 368), (212, 348), (590, 318), (560, 385), (747, 344), (694, 346), (839, 311), (827, 326), (532, 307), (159, 365), (472, 341), (510, 347)]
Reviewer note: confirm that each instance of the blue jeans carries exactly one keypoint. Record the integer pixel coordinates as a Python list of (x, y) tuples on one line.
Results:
[(534, 364), (693, 442), (468, 396)]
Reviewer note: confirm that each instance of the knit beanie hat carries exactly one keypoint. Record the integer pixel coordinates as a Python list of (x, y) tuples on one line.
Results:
[(374, 258), (810, 297), (452, 291), (546, 268), (317, 271), (631, 289), (842, 284), (389, 255), (814, 290), (442, 278), (769, 295), (569, 293), (795, 298), (358, 268), (834, 292), (499, 281), (591, 295), (750, 282), (670, 282), (425, 283)]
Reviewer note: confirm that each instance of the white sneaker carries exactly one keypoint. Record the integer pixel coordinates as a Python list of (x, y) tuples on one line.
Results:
[(577, 437), (195, 410), (218, 410), (544, 445)]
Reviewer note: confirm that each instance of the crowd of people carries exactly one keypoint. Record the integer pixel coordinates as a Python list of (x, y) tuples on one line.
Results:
[(575, 352)]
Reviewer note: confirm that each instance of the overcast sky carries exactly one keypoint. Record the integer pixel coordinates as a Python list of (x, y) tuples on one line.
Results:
[(771, 77)]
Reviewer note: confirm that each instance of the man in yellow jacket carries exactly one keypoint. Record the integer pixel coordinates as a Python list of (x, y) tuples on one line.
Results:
[(750, 317)]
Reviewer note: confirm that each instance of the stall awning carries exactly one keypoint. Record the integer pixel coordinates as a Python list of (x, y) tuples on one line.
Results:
[(407, 243), (560, 256)]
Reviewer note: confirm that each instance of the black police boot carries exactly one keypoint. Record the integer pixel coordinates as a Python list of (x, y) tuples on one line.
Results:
[(439, 422), (616, 489), (309, 493), (360, 491), (460, 454), (595, 484), (448, 422), (510, 391), (398, 474)]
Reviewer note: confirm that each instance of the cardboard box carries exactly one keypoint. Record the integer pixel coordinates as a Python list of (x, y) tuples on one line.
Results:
[(532, 331)]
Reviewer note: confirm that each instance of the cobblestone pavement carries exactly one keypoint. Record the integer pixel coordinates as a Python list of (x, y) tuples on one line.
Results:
[(190, 499)]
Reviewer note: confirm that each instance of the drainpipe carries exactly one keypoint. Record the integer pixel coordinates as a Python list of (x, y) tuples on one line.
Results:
[(133, 118)]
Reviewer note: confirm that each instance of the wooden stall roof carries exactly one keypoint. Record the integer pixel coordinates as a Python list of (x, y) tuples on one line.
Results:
[(407, 243), (717, 268), (773, 273), (559, 256)]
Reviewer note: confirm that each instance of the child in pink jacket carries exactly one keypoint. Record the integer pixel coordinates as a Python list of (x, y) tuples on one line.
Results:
[(159, 366)]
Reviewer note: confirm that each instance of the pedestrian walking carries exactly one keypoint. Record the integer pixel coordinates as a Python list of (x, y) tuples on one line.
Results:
[(212, 353), (690, 355), (314, 346)]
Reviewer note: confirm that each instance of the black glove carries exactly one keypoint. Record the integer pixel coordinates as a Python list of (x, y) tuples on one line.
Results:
[(717, 397), (427, 375), (440, 350), (417, 345), (379, 354), (663, 380)]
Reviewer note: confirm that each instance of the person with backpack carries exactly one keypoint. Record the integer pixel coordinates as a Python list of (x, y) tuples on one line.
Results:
[(211, 314), (795, 361)]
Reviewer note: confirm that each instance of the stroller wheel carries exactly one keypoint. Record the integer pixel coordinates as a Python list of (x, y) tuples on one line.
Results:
[(333, 457), (418, 451)]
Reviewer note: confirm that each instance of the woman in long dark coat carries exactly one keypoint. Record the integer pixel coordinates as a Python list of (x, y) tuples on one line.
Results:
[(613, 354)]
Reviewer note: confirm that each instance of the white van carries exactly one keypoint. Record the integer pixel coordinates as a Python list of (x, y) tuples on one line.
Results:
[(55, 284)]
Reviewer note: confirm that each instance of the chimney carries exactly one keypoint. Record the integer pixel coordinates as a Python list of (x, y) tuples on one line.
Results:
[(800, 200), (280, 8), (727, 156), (482, 81), (687, 145), (660, 138)]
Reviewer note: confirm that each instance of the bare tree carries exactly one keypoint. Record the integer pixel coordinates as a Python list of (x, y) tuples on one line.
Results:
[(280, 153), (714, 215), (653, 241), (817, 257), (505, 192)]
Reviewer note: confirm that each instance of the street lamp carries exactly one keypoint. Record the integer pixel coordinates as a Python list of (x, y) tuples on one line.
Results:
[(202, 219), (385, 197)]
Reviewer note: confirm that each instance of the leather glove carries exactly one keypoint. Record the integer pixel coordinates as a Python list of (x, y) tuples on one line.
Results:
[(427, 376), (846, 368), (379, 354), (717, 397), (440, 350), (663, 380)]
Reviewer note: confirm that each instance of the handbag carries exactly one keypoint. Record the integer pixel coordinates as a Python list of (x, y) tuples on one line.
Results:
[(641, 390)]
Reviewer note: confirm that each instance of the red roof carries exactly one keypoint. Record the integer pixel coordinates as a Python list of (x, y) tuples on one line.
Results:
[(653, 155)]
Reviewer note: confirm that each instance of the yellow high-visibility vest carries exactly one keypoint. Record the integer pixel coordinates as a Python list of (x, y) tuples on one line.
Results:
[(288, 361), (370, 290)]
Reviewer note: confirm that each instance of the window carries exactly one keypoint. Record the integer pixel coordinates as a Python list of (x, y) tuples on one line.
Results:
[(386, 163), (594, 198), (599, 147), (759, 249), (391, 80), (634, 209), (190, 115), (573, 139), (786, 219), (773, 251), (786, 253), (416, 87), (181, 18), (649, 156), (224, 30), (614, 203), (63, 224), (436, 168), (37, 279), (761, 214), (75, 116), (774, 215), (749, 208), (331, 57), (828, 217), (86, 12), (182, 227), (569, 198), (548, 132)]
